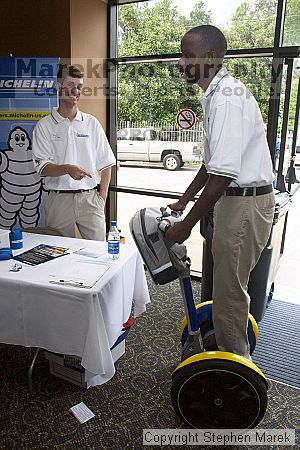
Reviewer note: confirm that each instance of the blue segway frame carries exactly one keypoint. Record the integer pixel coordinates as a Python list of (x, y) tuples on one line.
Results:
[(204, 321)]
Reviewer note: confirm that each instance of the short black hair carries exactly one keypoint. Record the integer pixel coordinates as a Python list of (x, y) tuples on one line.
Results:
[(65, 70), (212, 37)]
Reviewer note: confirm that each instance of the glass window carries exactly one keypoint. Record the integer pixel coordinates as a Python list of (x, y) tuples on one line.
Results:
[(123, 134), (150, 96), (290, 127), (251, 24), (147, 111), (291, 26), (157, 26), (255, 73), (153, 92)]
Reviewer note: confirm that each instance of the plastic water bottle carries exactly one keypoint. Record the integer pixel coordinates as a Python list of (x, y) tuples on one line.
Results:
[(113, 241)]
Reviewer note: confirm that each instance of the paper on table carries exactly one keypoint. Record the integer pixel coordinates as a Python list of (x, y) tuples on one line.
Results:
[(90, 253), (77, 273)]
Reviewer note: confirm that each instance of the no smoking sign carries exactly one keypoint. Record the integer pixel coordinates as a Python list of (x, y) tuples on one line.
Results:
[(186, 119)]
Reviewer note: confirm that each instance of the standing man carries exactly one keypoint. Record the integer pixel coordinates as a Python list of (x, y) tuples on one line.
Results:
[(237, 179), (71, 151)]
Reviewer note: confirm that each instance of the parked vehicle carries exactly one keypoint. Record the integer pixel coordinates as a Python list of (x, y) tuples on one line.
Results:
[(147, 144)]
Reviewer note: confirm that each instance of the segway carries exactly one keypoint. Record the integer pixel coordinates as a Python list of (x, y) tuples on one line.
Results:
[(211, 389)]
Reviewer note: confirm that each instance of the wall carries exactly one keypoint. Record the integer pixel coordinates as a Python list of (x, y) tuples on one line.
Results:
[(70, 29), (35, 28), (89, 48)]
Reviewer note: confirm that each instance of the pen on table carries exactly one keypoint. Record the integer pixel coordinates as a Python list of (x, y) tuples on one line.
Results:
[(71, 282)]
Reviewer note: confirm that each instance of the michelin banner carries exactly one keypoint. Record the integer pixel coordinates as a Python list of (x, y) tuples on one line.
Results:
[(27, 93)]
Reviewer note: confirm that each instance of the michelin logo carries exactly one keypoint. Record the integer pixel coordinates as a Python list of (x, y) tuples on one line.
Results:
[(20, 185), (27, 84)]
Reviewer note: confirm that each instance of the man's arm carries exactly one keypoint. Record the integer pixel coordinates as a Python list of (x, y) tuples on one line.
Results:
[(214, 188), (198, 182), (57, 170), (196, 185), (104, 184)]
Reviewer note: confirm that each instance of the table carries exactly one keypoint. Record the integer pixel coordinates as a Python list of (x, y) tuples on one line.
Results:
[(70, 320)]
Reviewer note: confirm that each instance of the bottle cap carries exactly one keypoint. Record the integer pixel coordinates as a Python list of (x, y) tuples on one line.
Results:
[(114, 223), (16, 234)]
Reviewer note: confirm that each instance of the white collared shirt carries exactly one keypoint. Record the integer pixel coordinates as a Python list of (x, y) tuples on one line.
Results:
[(81, 141), (235, 140)]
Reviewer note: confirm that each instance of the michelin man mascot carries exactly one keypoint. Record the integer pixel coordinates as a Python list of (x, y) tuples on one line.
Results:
[(20, 185)]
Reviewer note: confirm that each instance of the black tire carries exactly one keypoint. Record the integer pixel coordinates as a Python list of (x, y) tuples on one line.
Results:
[(172, 162), (182, 163), (219, 394)]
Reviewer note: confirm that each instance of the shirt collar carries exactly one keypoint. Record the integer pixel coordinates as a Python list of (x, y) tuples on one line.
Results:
[(58, 118), (215, 81)]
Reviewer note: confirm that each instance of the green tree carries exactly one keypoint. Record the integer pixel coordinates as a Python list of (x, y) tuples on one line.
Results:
[(292, 19), (253, 26), (153, 91), (146, 30), (198, 16)]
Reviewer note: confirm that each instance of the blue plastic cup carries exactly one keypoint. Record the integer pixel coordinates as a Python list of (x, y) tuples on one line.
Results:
[(5, 253)]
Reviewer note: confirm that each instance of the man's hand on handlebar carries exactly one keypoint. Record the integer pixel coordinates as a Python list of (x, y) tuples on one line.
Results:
[(178, 233), (177, 206)]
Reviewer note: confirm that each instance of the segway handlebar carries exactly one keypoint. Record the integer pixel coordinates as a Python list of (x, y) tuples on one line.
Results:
[(168, 218)]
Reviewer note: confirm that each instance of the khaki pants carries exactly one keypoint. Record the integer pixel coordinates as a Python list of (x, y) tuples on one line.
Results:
[(85, 209), (242, 227)]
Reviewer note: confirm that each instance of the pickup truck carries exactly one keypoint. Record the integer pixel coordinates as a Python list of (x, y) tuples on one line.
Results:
[(143, 144)]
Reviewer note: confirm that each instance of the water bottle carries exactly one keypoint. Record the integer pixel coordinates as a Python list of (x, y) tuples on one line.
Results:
[(113, 241)]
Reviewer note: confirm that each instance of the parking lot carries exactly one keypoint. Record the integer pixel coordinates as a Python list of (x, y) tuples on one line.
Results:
[(153, 176)]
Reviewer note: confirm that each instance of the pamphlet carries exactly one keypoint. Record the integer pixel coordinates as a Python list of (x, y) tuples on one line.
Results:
[(40, 254), (82, 412)]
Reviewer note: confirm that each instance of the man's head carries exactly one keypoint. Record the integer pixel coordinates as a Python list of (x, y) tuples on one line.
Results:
[(203, 49), (69, 84)]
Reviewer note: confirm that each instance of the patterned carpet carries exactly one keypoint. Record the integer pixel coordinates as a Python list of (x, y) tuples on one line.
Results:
[(136, 398)]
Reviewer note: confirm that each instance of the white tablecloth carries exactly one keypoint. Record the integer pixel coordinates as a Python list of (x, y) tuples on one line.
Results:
[(76, 321)]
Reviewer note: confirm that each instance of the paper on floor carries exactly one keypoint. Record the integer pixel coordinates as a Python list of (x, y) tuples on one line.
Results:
[(81, 412)]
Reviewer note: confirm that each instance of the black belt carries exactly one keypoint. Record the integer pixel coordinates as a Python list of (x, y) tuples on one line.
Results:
[(248, 191), (76, 191)]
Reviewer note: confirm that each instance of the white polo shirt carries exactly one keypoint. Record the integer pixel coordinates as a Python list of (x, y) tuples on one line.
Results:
[(235, 140), (80, 141)]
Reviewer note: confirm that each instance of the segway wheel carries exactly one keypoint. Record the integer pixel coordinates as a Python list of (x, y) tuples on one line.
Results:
[(219, 393)]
